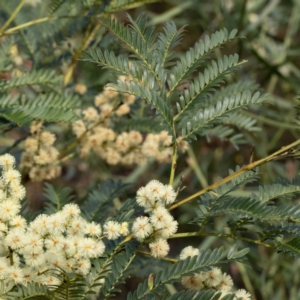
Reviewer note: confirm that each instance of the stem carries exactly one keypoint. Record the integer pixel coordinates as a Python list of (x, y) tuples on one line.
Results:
[(274, 156), (173, 164), (33, 22), (246, 279), (13, 15), (143, 104), (65, 154), (279, 124), (66, 158), (193, 163), (172, 260), (128, 238), (15, 144), (240, 25), (89, 35), (223, 235), (11, 257)]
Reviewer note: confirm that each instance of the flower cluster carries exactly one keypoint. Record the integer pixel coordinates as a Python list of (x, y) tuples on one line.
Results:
[(128, 148), (213, 279), (40, 156), (61, 241), (160, 225)]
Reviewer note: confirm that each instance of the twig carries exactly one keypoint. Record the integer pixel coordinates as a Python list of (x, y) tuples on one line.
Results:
[(282, 153)]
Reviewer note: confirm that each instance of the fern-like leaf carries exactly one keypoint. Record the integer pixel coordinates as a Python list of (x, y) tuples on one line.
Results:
[(290, 213), (26, 212), (120, 64), (209, 116), (167, 41), (127, 211), (95, 207), (293, 247), (245, 208), (151, 97), (30, 291), (195, 56), (73, 287), (206, 82), (40, 77), (196, 295), (119, 270), (202, 261), (140, 28), (49, 107), (225, 133), (241, 121), (276, 231), (138, 46), (283, 188), (233, 88), (209, 201), (58, 197)]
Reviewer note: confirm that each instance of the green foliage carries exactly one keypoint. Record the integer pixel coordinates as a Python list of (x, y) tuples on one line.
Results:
[(26, 212), (206, 82), (153, 79), (236, 182), (50, 107), (31, 291), (209, 203), (202, 295), (119, 270), (201, 262), (58, 197), (102, 266), (41, 42), (40, 77), (245, 208), (100, 199), (127, 211), (191, 98), (293, 247), (275, 221), (211, 115), (152, 98), (72, 287), (196, 56), (282, 189)]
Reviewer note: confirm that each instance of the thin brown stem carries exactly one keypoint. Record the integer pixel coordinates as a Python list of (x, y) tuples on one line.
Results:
[(173, 164), (88, 36), (34, 22), (280, 154), (12, 16), (172, 260)]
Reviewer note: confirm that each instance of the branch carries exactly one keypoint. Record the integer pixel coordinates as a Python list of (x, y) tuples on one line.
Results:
[(223, 235), (173, 164), (172, 260), (280, 154), (12, 16)]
